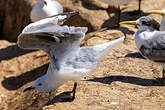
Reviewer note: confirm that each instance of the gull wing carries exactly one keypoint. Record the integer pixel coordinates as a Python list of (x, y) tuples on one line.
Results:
[(40, 40), (155, 47), (53, 35), (59, 44), (49, 22), (87, 59)]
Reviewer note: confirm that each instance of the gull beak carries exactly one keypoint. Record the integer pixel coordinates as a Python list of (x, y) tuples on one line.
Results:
[(68, 14), (71, 14), (129, 22), (160, 12), (65, 16), (29, 88)]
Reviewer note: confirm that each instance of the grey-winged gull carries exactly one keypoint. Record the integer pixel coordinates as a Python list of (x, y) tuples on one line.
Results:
[(68, 61), (150, 40), (45, 8)]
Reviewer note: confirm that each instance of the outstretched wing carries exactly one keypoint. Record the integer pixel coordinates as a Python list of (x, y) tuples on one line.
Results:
[(59, 43), (155, 47), (51, 35), (49, 22), (40, 40), (87, 58)]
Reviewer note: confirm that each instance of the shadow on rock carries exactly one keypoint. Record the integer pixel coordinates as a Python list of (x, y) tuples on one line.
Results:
[(12, 52), (125, 16), (91, 6), (134, 55), (63, 97), (14, 83), (129, 79)]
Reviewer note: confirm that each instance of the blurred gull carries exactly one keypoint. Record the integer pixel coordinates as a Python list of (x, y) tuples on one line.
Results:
[(68, 61), (162, 13), (118, 3), (149, 40), (45, 8)]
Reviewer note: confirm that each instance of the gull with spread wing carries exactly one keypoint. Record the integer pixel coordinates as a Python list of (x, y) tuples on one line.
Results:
[(68, 61), (149, 40)]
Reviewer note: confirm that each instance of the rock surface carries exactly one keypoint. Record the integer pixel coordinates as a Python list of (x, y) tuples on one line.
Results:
[(14, 17)]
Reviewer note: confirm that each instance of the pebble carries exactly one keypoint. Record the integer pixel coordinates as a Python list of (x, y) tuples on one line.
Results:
[(3, 95)]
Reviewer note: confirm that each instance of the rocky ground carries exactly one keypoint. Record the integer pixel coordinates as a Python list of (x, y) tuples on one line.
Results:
[(123, 81)]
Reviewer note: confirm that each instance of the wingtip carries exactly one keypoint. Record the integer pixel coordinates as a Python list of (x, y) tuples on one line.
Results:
[(68, 14), (72, 14)]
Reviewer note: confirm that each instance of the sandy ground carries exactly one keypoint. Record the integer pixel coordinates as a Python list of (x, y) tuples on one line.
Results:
[(123, 81)]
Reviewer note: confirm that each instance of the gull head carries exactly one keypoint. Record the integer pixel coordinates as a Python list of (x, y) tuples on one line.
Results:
[(42, 2), (45, 8), (40, 84), (144, 23)]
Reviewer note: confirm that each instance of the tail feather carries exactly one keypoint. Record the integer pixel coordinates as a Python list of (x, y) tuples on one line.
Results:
[(103, 49), (89, 57)]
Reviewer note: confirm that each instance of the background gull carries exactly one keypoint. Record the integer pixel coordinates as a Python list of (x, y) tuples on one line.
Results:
[(162, 13), (68, 61), (149, 40), (45, 8)]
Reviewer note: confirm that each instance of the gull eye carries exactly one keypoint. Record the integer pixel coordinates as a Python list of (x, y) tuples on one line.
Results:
[(45, 2), (39, 84), (144, 22)]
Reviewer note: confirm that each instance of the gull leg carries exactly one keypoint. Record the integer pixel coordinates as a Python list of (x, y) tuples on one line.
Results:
[(119, 13), (74, 90), (139, 10), (163, 76), (50, 93), (70, 94)]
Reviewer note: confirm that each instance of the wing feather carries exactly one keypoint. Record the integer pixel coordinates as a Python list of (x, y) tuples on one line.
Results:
[(46, 37), (156, 47)]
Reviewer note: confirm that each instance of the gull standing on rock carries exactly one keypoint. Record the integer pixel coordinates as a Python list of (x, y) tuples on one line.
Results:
[(45, 8), (149, 40), (120, 2), (162, 13), (68, 61)]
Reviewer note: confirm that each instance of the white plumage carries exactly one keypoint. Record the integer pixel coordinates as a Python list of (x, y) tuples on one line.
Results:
[(68, 61), (149, 40), (45, 8)]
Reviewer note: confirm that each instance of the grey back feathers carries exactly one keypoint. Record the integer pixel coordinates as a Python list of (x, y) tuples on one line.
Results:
[(156, 48)]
